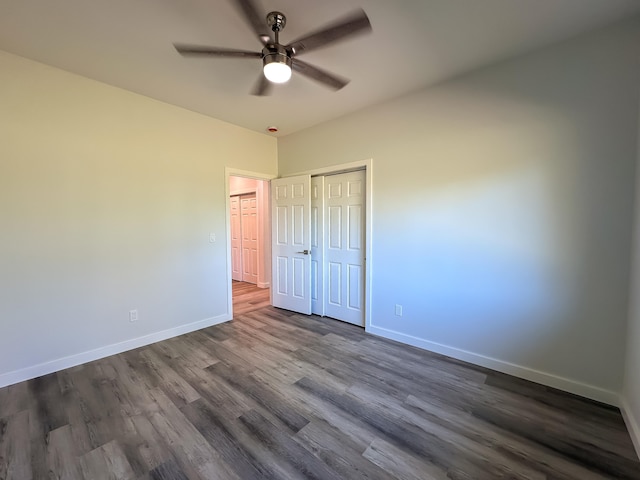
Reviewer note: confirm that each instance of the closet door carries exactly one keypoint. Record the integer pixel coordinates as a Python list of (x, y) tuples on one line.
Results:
[(317, 245), (249, 221), (344, 246), (291, 243), (236, 239)]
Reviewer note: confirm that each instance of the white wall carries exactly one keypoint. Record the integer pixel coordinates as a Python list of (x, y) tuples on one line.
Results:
[(502, 206), (631, 391), (107, 199)]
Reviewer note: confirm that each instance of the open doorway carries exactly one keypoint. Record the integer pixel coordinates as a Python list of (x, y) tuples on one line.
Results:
[(250, 242)]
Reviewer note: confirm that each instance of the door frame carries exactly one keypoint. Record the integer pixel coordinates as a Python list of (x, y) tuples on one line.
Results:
[(234, 172), (368, 168)]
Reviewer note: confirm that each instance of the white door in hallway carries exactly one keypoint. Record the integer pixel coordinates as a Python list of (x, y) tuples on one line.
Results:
[(236, 239), (291, 243), (344, 242), (249, 222)]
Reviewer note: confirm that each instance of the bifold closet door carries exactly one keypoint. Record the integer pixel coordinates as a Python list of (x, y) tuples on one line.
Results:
[(249, 216), (344, 221), (317, 245), (291, 243), (236, 239), (244, 238)]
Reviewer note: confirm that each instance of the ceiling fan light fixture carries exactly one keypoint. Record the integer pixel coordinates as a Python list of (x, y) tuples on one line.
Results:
[(277, 67), (277, 59)]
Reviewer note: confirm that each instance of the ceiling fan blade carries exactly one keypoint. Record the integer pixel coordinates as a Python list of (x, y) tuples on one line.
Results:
[(198, 51), (262, 86), (314, 73), (354, 23), (255, 20)]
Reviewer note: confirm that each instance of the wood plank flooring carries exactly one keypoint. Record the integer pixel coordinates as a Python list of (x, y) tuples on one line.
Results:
[(276, 395), (247, 297)]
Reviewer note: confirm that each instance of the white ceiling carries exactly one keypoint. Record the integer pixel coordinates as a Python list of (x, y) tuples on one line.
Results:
[(414, 43)]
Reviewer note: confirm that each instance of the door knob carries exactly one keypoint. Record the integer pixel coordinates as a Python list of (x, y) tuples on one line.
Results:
[(304, 252)]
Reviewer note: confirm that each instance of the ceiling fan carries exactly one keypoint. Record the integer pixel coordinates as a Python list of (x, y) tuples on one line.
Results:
[(277, 59)]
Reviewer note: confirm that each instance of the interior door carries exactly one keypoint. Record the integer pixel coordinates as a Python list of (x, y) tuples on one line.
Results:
[(291, 241), (236, 239), (317, 245), (344, 246), (249, 221)]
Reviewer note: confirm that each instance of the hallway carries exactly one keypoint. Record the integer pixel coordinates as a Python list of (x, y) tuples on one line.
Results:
[(247, 297)]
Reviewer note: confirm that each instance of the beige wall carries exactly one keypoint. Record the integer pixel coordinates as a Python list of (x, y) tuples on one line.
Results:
[(107, 199), (631, 392), (502, 205)]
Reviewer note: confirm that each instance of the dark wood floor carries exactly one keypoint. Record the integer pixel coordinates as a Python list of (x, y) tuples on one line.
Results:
[(283, 396)]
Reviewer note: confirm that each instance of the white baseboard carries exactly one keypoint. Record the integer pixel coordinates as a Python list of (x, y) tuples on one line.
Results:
[(263, 284), (34, 371), (550, 380), (633, 425)]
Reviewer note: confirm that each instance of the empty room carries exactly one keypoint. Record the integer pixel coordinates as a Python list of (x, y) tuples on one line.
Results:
[(246, 239)]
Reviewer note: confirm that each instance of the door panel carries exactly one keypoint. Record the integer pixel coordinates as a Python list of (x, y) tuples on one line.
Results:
[(299, 278), (335, 287), (291, 216), (300, 237), (282, 280), (236, 239), (335, 227), (344, 255), (317, 245), (354, 230), (249, 219), (281, 225), (354, 275)]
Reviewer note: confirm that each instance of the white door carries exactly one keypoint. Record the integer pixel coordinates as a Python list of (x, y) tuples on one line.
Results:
[(236, 239), (317, 245), (291, 232), (344, 246), (249, 222)]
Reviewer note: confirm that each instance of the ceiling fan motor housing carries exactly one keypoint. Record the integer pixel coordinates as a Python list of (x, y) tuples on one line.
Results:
[(274, 52)]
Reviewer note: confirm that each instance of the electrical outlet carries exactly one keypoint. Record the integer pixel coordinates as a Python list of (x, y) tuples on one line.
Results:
[(398, 310), (212, 238), (133, 315)]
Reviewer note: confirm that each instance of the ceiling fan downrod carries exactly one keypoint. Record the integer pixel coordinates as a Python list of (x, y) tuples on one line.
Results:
[(277, 22)]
